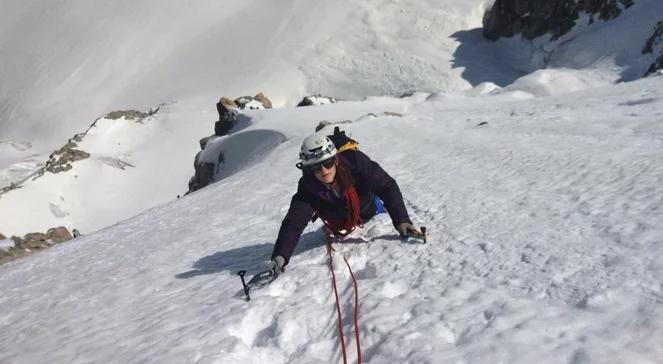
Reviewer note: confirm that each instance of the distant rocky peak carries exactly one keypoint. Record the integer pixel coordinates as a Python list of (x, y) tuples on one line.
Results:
[(534, 18)]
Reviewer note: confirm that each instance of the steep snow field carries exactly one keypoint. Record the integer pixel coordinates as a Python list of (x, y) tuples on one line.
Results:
[(545, 246)]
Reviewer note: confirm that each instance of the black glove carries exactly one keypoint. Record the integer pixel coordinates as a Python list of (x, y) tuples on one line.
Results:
[(276, 265), (406, 229)]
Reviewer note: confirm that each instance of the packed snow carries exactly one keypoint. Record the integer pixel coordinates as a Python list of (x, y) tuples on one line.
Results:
[(542, 191), (544, 245)]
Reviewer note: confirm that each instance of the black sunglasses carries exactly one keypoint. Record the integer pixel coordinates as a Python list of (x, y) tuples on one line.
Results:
[(327, 163)]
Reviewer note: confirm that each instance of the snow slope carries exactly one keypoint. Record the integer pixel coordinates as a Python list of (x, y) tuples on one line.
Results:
[(545, 246)]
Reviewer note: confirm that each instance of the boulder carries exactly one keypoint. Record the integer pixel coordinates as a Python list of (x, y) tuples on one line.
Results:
[(227, 116), (58, 234), (267, 103), (31, 241), (259, 101), (224, 106), (2, 237)]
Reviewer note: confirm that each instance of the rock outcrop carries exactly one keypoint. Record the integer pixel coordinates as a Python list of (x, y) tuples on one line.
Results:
[(654, 43), (316, 100), (229, 112), (229, 109), (534, 18), (34, 242), (61, 160), (129, 114)]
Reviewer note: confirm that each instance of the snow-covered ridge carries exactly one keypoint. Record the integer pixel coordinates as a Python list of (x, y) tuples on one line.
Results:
[(89, 182)]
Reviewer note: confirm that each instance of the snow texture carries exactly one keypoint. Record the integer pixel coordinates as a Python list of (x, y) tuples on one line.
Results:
[(543, 194), (545, 246)]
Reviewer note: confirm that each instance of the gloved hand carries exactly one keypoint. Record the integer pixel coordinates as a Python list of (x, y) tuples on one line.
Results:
[(406, 229), (276, 265)]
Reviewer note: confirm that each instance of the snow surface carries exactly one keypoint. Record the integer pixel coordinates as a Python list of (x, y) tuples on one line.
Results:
[(545, 246), (543, 194)]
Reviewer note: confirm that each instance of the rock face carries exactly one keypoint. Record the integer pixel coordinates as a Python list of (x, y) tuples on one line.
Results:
[(62, 159), (228, 110), (534, 18), (654, 42), (33, 242)]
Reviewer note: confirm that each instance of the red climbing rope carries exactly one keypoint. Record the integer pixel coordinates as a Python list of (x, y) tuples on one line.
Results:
[(330, 249)]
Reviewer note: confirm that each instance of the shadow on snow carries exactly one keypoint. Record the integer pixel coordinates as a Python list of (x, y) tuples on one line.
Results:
[(251, 258)]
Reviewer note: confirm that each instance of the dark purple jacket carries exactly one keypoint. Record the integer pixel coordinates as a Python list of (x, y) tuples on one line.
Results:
[(312, 195)]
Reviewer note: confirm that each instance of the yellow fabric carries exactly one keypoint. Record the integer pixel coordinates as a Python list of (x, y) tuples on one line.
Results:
[(348, 146)]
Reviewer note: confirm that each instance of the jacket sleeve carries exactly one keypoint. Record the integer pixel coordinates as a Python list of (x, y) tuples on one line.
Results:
[(292, 226), (384, 186)]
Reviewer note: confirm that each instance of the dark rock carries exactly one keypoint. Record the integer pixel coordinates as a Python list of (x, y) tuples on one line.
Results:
[(222, 128), (204, 176), (316, 100), (224, 106), (321, 125), (203, 142), (534, 18), (227, 116), (62, 159), (653, 42), (259, 101), (2, 237), (655, 38), (656, 66)]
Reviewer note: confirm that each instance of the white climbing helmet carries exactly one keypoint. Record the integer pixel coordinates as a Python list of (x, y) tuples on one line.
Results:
[(316, 148)]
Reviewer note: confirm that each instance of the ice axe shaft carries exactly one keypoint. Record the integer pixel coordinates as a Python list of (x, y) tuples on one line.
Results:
[(241, 274)]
